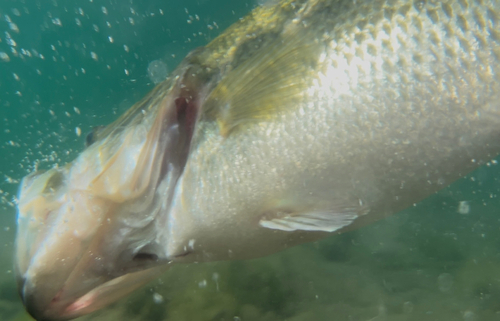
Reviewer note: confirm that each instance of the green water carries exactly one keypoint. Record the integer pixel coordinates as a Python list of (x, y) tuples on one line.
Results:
[(67, 66)]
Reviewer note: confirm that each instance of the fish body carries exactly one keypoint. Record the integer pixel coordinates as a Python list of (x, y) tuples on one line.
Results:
[(306, 118)]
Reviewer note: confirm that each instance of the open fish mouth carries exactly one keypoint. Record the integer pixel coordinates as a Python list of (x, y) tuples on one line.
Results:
[(65, 308), (86, 230)]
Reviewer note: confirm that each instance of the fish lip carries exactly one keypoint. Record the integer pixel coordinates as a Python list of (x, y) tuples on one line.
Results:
[(57, 310), (61, 308)]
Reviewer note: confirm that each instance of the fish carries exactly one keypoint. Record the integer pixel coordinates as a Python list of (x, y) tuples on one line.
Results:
[(305, 119)]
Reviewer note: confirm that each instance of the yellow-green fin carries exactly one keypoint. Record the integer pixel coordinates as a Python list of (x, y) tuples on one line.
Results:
[(265, 84)]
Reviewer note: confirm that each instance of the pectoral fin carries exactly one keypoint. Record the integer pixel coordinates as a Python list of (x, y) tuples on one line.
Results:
[(315, 220)]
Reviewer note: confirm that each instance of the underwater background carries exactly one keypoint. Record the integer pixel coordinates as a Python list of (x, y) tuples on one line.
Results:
[(67, 66)]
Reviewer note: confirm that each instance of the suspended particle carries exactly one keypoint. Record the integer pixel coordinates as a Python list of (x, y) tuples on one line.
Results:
[(76, 110), (11, 42), (13, 27), (57, 22), (445, 282), (4, 57), (93, 55), (202, 284), (125, 47), (470, 316), (157, 298), (463, 207), (104, 10), (78, 131)]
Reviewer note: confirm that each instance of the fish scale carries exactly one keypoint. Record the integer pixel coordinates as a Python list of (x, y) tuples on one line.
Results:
[(350, 126)]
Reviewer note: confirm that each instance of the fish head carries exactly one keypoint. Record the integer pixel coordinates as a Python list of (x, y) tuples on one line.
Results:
[(86, 231)]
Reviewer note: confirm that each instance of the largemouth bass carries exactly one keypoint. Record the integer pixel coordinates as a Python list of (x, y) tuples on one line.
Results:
[(305, 118)]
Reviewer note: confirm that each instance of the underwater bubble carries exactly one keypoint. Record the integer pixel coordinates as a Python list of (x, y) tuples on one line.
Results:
[(8, 39), (202, 284), (407, 307), (157, 298), (445, 282), (157, 71), (4, 57), (469, 316), (57, 22), (13, 27), (463, 207)]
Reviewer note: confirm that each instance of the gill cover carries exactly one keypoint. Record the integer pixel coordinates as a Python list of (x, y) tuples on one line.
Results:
[(86, 231)]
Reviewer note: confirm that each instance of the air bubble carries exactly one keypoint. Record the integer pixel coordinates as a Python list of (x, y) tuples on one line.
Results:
[(13, 27), (470, 316), (57, 22), (4, 57), (157, 298), (445, 282), (463, 207), (157, 71)]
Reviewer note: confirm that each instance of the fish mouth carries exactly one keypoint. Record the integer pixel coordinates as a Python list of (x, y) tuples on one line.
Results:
[(61, 307), (82, 227)]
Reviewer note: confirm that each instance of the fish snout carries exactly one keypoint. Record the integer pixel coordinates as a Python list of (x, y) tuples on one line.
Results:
[(40, 305), (33, 308)]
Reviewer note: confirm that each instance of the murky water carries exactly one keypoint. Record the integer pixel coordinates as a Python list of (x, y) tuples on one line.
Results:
[(67, 66)]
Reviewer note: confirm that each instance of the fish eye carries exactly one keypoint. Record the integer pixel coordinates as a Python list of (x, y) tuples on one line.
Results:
[(92, 135)]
